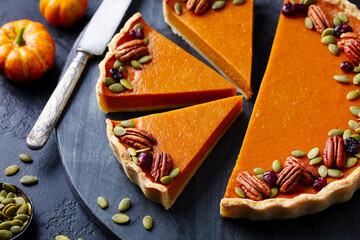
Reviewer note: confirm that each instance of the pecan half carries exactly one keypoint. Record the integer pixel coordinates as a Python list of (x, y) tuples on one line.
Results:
[(198, 6), (161, 166), (252, 186), (318, 17), (334, 153), (289, 178), (309, 172), (133, 49), (352, 50), (138, 138)]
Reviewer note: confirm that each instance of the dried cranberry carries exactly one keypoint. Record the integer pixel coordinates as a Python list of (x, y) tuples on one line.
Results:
[(346, 66), (300, 9), (145, 160), (351, 145), (116, 73), (342, 28), (287, 9), (136, 33), (319, 183), (270, 178)]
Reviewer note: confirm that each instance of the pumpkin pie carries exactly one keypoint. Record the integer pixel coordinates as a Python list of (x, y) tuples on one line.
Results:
[(143, 70), (222, 36), (161, 152), (302, 138)]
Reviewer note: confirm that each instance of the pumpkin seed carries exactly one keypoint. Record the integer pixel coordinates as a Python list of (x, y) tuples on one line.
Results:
[(174, 172), (5, 225), (335, 173), (347, 133), (273, 191), (3, 193), (238, 2), (357, 155), (259, 171), (333, 49), (25, 223), (166, 180), (355, 110), (119, 131), (178, 8), (350, 162), (337, 21), (7, 206), (28, 180), (127, 124), (5, 234), (8, 188), (22, 217), (239, 192), (108, 81), (357, 130), (124, 204), (143, 150), (135, 64), (356, 79), (327, 32), (11, 170), (120, 218), (343, 17), (309, 2), (126, 84), (135, 160), (309, 23), (16, 229), (218, 4), (11, 211), (16, 223), (7, 201), (316, 160), (356, 136), (102, 202), (342, 78), (276, 165), (336, 132), (146, 41), (147, 222), (11, 195), (313, 153), (328, 39), (29, 208), (61, 237), (298, 153), (322, 170), (353, 125), (302, 1), (122, 68), (138, 26), (356, 69), (131, 151), (260, 176), (352, 95), (23, 209), (25, 158), (117, 64), (116, 88), (144, 59)]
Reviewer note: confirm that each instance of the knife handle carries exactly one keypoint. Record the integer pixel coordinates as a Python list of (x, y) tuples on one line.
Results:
[(44, 125)]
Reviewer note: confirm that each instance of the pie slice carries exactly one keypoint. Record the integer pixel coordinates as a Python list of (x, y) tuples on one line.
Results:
[(144, 71), (223, 36), (161, 152), (302, 119)]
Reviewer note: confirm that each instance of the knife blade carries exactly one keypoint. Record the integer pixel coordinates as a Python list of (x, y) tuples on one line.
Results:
[(97, 35)]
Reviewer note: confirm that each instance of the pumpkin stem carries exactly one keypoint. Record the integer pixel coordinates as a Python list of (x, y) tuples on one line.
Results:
[(19, 38)]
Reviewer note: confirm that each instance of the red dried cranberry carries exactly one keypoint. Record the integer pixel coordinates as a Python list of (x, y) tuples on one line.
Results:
[(145, 160), (116, 73), (270, 178), (136, 33), (342, 28), (300, 9), (287, 9), (319, 183), (351, 145), (346, 66)]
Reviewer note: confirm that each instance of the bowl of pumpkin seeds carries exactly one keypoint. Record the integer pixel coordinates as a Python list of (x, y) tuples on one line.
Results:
[(16, 211)]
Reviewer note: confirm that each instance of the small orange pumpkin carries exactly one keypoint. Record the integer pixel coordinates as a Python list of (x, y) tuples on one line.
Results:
[(63, 12), (26, 50)]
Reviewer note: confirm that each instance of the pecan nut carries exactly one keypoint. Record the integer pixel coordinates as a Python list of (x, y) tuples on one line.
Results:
[(252, 186), (352, 50), (289, 178), (130, 50), (309, 172), (334, 153), (138, 138), (318, 17), (161, 166), (198, 6)]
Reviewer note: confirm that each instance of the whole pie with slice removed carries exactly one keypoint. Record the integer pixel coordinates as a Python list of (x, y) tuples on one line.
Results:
[(222, 36), (161, 152), (143, 70), (300, 153)]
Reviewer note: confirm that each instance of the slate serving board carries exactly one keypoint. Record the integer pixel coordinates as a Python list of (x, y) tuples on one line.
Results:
[(93, 170)]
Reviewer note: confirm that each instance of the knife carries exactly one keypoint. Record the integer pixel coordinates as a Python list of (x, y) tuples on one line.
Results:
[(97, 35)]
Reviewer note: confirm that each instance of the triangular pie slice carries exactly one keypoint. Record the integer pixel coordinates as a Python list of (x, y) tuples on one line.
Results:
[(223, 36), (168, 76), (301, 107), (186, 136)]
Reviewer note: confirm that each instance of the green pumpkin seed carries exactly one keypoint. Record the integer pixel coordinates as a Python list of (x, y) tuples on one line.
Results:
[(356, 69), (337, 21), (25, 223), (298, 153), (166, 180), (174, 172), (353, 125), (146, 41), (302, 1), (3, 193), (322, 170), (102, 202), (143, 150), (138, 26), (144, 59), (239, 192), (124, 204), (336, 132), (126, 84), (11, 195), (131, 151), (108, 81), (11, 170), (355, 111), (218, 4), (343, 17), (350, 162), (120, 218), (356, 79), (328, 39), (327, 32), (342, 78), (119, 131), (117, 64), (116, 88), (238, 2), (178, 8), (22, 217), (135, 160), (8, 205), (352, 95), (19, 200), (313, 153), (23, 209), (5, 234), (25, 158), (5, 225), (260, 176), (61, 237), (316, 160), (309, 23), (16, 229), (273, 191), (335, 173), (333, 49), (147, 222), (11, 211), (127, 124), (259, 171), (347, 133), (357, 155), (276, 165), (122, 68), (28, 180), (16, 223), (29, 208), (8, 188), (135, 64), (309, 2), (356, 136), (7, 201)]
